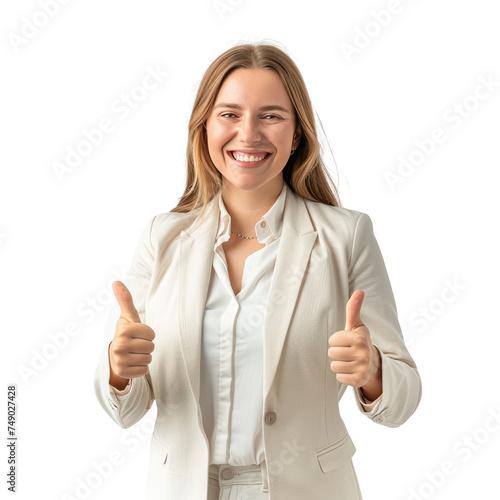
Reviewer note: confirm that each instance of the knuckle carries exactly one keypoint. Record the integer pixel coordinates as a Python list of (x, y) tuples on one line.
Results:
[(119, 349), (363, 359), (360, 340)]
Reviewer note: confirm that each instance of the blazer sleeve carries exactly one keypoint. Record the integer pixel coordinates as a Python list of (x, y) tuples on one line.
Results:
[(127, 407), (401, 383)]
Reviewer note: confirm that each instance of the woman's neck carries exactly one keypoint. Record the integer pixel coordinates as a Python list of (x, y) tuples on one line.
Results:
[(246, 207)]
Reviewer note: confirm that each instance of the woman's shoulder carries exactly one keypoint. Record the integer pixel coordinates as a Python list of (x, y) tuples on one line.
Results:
[(164, 228), (340, 224), (335, 216), (171, 224)]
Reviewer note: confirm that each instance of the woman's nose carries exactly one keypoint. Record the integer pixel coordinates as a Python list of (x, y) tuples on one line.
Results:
[(249, 130)]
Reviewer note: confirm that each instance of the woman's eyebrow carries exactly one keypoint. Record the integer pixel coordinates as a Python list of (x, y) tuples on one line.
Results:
[(263, 108)]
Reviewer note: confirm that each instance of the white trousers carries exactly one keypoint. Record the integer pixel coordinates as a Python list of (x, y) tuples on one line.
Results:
[(228, 482)]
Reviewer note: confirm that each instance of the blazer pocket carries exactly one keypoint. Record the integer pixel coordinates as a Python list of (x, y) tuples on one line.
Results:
[(334, 455), (159, 450)]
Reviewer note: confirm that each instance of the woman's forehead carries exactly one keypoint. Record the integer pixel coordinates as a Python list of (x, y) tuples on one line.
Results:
[(248, 87)]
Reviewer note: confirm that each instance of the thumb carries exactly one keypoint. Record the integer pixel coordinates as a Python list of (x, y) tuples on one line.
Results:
[(124, 298), (353, 310)]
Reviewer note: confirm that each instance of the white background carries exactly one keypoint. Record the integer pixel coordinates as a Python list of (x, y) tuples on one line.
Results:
[(64, 239)]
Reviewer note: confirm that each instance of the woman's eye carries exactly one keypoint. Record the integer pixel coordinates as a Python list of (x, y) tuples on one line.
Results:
[(232, 114)]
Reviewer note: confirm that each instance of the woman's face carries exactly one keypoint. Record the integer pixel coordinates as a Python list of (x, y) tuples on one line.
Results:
[(263, 124)]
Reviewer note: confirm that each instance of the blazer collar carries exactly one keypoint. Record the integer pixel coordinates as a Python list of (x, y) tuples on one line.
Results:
[(196, 252)]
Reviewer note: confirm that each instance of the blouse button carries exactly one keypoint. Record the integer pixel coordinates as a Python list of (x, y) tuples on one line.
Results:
[(262, 224), (270, 418)]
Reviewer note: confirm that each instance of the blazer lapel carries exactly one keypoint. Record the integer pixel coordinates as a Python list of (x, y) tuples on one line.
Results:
[(196, 253), (297, 239), (196, 247)]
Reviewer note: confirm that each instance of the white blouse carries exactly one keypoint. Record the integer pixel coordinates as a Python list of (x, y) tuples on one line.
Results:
[(231, 371), (231, 390)]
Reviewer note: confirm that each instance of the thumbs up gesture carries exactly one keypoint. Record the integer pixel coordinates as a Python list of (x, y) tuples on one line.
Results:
[(131, 348), (356, 361)]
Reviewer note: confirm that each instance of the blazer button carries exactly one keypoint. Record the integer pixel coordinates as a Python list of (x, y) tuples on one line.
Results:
[(228, 473), (270, 418)]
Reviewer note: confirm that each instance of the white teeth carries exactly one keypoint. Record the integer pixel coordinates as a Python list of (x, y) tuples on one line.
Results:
[(246, 157)]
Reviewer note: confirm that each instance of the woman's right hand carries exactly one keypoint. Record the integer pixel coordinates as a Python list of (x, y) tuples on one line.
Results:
[(131, 348)]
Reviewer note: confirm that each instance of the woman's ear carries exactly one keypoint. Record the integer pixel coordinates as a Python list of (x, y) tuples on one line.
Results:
[(297, 136)]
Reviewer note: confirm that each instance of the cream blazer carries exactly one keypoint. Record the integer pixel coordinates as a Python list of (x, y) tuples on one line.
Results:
[(325, 254)]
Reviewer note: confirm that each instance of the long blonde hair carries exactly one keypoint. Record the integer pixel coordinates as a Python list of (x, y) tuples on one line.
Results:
[(305, 172)]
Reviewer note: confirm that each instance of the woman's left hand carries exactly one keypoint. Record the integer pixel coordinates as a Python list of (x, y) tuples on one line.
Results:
[(356, 361)]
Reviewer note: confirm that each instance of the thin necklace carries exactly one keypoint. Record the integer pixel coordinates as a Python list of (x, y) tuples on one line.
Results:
[(247, 237)]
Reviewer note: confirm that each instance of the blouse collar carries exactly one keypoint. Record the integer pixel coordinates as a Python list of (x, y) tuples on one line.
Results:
[(267, 229)]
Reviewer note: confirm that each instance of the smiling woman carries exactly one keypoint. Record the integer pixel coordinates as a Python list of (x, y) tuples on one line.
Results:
[(253, 99), (265, 300), (252, 133)]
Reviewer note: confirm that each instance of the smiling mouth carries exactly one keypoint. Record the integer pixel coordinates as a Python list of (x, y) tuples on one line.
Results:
[(247, 157)]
